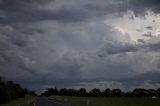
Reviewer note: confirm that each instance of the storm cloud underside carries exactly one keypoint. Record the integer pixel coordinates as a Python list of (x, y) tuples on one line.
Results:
[(76, 43)]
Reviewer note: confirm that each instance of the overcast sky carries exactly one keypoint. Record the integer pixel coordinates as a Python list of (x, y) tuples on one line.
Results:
[(80, 43)]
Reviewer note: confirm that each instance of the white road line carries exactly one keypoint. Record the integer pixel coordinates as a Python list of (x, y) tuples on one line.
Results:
[(34, 104)]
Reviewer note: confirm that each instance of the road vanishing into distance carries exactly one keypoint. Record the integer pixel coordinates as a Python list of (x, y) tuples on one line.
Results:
[(41, 101)]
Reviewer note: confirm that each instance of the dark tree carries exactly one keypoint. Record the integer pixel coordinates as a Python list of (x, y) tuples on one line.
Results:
[(10, 91), (95, 92), (158, 92), (82, 92), (152, 92), (72, 92), (63, 91), (139, 92), (50, 91), (53, 91), (128, 94), (4, 94), (116, 93), (107, 92)]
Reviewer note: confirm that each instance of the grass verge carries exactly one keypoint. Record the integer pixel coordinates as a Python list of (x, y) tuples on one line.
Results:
[(20, 102), (99, 101)]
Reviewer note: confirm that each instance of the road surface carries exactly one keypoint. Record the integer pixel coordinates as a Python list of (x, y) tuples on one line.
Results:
[(45, 102)]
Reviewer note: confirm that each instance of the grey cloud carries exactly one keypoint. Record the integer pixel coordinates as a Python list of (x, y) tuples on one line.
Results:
[(140, 6), (59, 58), (120, 48), (70, 37), (131, 17), (149, 27), (141, 41), (24, 11), (154, 47), (141, 78), (11, 35), (139, 30), (117, 48), (147, 35), (71, 11)]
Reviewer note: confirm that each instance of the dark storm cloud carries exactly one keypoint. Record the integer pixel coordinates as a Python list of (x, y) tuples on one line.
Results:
[(24, 11), (147, 35), (64, 43), (154, 47), (149, 27), (117, 48), (139, 7), (141, 41), (153, 76), (120, 48), (29, 11)]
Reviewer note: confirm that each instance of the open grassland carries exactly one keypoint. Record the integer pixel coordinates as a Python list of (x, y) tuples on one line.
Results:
[(99, 101), (20, 102)]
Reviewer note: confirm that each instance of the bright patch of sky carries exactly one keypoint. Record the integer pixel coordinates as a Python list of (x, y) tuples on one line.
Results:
[(138, 28)]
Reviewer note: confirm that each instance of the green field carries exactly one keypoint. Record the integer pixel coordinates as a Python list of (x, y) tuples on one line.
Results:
[(99, 101), (20, 102)]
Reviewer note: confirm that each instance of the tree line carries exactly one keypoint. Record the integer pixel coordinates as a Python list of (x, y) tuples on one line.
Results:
[(10, 91), (138, 92)]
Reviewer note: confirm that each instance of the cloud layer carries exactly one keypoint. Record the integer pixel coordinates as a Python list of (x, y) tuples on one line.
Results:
[(71, 43)]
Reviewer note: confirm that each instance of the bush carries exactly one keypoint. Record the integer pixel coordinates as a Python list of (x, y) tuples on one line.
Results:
[(10, 91)]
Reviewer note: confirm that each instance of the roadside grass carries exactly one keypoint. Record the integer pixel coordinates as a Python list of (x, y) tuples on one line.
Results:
[(100, 101), (20, 102)]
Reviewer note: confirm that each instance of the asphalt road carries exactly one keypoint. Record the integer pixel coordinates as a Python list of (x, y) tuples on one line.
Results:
[(45, 102)]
